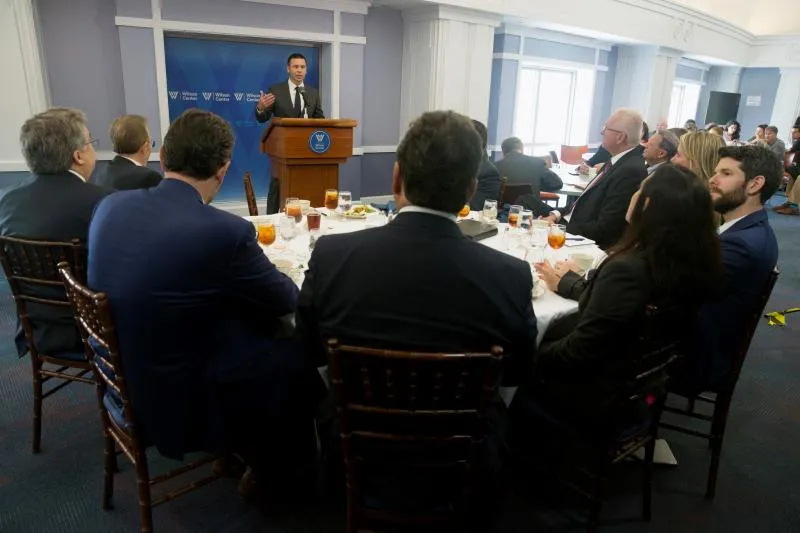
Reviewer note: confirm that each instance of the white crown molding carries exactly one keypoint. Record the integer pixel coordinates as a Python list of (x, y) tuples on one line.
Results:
[(697, 65), (359, 7), (452, 13), (555, 36)]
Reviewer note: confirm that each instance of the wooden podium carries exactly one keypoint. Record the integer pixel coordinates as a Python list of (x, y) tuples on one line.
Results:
[(306, 154)]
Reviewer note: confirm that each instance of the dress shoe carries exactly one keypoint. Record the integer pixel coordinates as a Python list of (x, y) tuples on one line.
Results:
[(788, 211)]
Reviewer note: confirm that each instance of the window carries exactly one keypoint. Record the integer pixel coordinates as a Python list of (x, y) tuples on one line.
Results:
[(683, 102), (553, 107)]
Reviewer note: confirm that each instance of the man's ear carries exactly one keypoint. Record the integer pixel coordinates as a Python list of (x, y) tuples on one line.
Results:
[(397, 180)]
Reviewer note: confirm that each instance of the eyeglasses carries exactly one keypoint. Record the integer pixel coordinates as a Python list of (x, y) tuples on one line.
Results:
[(606, 128), (94, 142)]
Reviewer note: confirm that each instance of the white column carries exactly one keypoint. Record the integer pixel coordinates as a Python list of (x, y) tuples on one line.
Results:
[(787, 103), (643, 80), (447, 62), (24, 87)]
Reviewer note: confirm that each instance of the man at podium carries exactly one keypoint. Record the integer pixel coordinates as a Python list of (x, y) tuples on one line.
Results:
[(292, 98), (289, 99)]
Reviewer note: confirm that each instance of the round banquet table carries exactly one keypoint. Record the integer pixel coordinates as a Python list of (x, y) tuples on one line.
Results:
[(547, 306)]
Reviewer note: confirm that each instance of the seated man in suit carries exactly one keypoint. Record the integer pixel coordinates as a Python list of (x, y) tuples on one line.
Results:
[(660, 148), (419, 282), (599, 213), (197, 304), (130, 138), (521, 169), (488, 178), (54, 203), (745, 178)]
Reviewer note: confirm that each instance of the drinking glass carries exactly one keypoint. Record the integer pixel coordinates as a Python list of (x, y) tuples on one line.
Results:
[(266, 233), (557, 236), (313, 219), (345, 200), (538, 243), (288, 227), (513, 215), (331, 198), (293, 209), (305, 207), (525, 219), (490, 209)]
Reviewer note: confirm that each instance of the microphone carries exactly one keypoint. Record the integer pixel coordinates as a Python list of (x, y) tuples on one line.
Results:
[(302, 91)]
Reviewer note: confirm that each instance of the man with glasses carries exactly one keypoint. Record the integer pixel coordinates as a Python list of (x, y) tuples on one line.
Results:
[(599, 213), (54, 203), (130, 138)]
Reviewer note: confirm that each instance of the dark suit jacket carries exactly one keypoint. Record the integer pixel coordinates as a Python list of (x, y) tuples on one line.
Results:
[(521, 169), (488, 185), (417, 283), (581, 373), (749, 254), (195, 301), (599, 213), (123, 174), (600, 156), (283, 108), (54, 207)]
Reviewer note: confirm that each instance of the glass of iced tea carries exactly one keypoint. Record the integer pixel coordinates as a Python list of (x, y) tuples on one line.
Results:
[(513, 215), (294, 209), (266, 233), (331, 199), (313, 219), (557, 236)]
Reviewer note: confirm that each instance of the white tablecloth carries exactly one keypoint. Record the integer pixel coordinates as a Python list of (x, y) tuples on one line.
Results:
[(547, 307)]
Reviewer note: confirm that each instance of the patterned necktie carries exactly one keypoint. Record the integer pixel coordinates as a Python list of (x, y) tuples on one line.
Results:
[(605, 170), (298, 111)]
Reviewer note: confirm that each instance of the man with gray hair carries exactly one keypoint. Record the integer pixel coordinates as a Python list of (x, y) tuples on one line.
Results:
[(660, 149), (599, 213), (54, 203)]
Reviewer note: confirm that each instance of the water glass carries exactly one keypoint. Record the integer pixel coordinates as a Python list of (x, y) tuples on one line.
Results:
[(345, 200), (525, 219), (288, 227), (538, 243), (490, 210)]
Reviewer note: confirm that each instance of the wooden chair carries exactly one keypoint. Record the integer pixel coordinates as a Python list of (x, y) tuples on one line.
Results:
[(250, 195), (407, 414), (119, 423), (591, 452), (721, 398), (550, 198), (572, 154), (503, 185), (31, 269)]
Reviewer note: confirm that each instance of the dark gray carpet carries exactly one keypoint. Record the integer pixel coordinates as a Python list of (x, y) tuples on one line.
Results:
[(59, 490)]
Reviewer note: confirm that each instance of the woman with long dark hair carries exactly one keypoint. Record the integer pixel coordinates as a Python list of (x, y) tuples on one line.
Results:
[(669, 257), (733, 133)]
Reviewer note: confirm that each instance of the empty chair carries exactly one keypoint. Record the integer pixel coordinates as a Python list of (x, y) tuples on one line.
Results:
[(412, 427), (42, 306), (572, 155), (120, 430), (250, 195), (720, 398)]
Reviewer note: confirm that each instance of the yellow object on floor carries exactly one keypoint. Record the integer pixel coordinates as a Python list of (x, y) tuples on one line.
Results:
[(778, 318)]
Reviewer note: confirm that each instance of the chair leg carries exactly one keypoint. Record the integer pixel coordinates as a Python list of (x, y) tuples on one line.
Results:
[(109, 468), (647, 489), (37, 410), (715, 443), (143, 485)]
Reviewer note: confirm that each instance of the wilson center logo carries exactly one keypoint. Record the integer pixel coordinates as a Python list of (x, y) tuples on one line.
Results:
[(173, 94), (238, 96), (207, 96)]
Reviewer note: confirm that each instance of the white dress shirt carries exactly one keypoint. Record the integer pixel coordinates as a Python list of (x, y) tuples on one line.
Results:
[(293, 93), (726, 226), (75, 173), (427, 211), (131, 160)]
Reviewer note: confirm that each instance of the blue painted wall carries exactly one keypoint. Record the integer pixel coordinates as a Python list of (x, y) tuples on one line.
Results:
[(761, 82)]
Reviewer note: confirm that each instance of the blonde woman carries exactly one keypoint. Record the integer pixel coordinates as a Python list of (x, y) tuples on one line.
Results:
[(699, 152)]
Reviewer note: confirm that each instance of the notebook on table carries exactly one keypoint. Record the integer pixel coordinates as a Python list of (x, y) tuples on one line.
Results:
[(477, 230)]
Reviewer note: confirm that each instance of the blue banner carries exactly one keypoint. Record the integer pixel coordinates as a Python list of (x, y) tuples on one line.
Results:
[(225, 77)]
